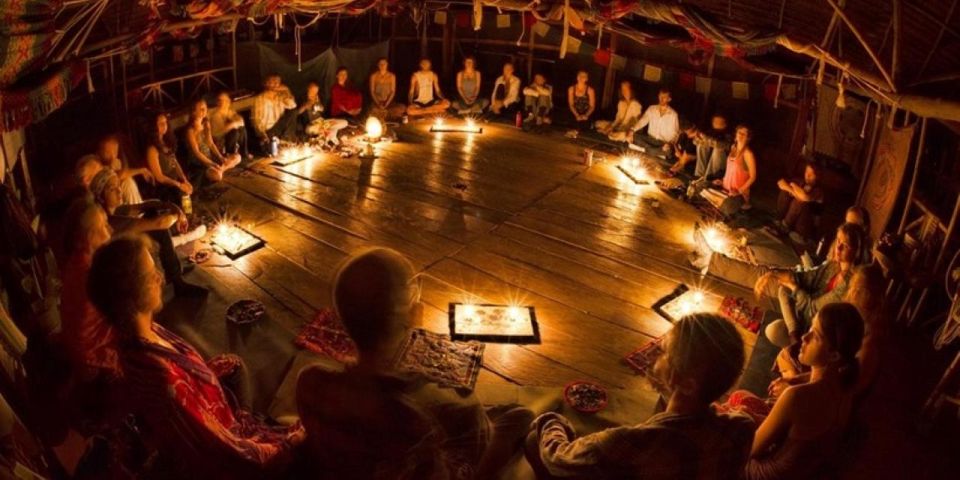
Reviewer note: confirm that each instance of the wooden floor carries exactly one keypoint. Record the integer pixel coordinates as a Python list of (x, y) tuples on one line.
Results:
[(501, 217)]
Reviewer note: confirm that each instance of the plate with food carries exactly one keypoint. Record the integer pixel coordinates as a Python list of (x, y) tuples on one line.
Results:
[(585, 397), (245, 312)]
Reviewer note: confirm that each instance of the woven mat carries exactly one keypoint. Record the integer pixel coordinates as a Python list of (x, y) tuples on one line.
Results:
[(325, 335)]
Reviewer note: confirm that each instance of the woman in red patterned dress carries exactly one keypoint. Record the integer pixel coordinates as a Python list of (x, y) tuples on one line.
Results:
[(182, 409)]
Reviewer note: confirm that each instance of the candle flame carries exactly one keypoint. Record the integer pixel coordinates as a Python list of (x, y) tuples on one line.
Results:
[(374, 129)]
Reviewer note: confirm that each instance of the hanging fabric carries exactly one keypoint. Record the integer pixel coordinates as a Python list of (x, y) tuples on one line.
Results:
[(566, 29), (32, 104), (477, 14)]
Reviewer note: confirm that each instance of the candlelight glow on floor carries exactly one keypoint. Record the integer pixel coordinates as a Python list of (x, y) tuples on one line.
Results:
[(682, 302), (234, 241), (468, 126), (295, 153), (635, 169), (493, 322)]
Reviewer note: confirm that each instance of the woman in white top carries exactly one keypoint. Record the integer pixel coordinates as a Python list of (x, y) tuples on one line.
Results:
[(628, 113), (468, 86), (425, 95), (108, 150), (506, 92)]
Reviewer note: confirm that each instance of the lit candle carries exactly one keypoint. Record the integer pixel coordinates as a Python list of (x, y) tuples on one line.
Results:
[(698, 297), (469, 311), (471, 124), (374, 129), (438, 123), (514, 313)]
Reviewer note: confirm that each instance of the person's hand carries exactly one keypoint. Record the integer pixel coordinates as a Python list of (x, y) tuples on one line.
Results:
[(786, 279), (777, 386), (183, 224), (718, 182), (734, 192), (782, 184), (666, 147), (166, 220), (763, 282), (297, 435), (185, 187)]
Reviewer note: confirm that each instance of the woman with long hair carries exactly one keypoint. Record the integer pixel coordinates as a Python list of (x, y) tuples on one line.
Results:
[(184, 408), (171, 182), (628, 113), (807, 422), (205, 158)]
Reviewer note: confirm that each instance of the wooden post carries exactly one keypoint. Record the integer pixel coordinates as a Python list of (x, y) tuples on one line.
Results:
[(531, 43), (895, 61), (871, 150), (706, 96), (866, 46), (424, 47), (233, 53), (447, 48), (913, 179), (608, 79)]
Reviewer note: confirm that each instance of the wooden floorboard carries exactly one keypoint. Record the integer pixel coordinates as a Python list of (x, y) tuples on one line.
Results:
[(504, 217)]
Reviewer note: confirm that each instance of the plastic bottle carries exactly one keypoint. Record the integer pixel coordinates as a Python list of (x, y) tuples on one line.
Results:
[(274, 146), (519, 120), (186, 205)]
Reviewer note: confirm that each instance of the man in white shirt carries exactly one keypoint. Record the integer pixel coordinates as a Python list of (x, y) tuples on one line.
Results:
[(506, 92), (663, 127), (274, 113), (425, 96)]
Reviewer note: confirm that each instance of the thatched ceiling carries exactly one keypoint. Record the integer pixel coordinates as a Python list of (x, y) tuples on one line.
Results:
[(904, 46)]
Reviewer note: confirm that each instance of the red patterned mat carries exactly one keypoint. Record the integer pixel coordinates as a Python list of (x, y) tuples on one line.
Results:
[(326, 335), (742, 312)]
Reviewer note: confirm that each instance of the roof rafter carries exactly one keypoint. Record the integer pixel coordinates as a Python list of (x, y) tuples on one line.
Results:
[(856, 33)]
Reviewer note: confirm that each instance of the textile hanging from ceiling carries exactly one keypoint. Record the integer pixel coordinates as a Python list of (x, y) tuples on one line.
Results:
[(209, 9), (27, 32), (23, 106), (883, 185), (726, 40), (359, 62)]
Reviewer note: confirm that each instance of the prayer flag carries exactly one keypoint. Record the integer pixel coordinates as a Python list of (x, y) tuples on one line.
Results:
[(541, 29), (634, 68), (528, 19), (686, 81), (573, 45), (463, 20), (619, 62), (770, 90), (741, 90), (703, 85), (651, 73), (788, 91), (602, 57), (503, 21), (440, 17)]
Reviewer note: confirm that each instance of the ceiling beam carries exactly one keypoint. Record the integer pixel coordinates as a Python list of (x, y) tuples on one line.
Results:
[(856, 33), (895, 60), (934, 20), (936, 43)]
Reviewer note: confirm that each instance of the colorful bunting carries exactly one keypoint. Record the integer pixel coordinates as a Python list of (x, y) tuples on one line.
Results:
[(463, 20), (619, 62), (687, 81), (528, 19), (503, 21), (573, 45), (741, 90), (703, 85), (440, 17), (602, 57), (541, 29), (651, 73), (28, 105)]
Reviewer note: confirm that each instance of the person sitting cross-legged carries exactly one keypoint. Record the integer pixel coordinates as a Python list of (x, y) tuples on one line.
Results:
[(468, 88), (663, 127), (712, 148), (273, 113), (312, 123), (227, 127), (372, 421), (425, 95), (538, 100), (703, 357), (686, 149), (194, 413), (628, 113), (345, 100), (383, 92)]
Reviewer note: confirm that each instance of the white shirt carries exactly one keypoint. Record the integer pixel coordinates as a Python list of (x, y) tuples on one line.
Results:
[(512, 90), (662, 125), (534, 90), (627, 115), (266, 111)]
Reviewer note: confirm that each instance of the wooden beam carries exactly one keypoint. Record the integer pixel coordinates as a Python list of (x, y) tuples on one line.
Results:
[(936, 43), (934, 20), (608, 78), (863, 42), (531, 44), (895, 60)]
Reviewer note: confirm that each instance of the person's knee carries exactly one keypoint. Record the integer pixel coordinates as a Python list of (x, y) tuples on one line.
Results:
[(777, 333)]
